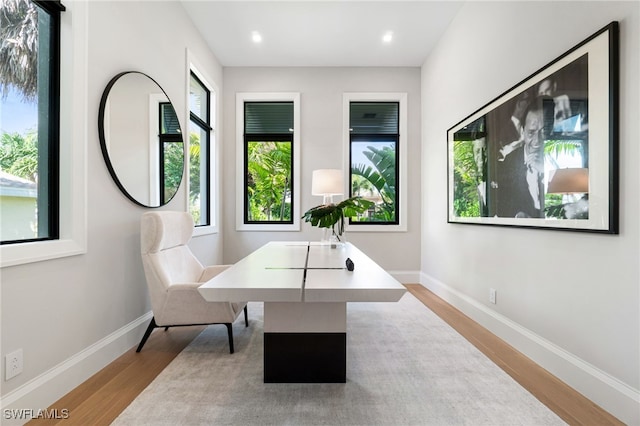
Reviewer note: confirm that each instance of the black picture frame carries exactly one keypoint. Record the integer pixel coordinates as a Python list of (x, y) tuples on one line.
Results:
[(544, 154)]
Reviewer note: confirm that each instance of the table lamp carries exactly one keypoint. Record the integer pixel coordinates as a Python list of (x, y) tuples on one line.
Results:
[(327, 182)]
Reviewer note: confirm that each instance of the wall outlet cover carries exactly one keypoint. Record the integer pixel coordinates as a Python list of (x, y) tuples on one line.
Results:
[(13, 364)]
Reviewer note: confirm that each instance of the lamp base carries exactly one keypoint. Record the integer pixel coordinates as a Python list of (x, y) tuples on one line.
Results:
[(327, 199)]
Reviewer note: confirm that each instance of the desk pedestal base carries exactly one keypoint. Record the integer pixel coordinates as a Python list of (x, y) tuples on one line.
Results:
[(305, 357), (305, 342)]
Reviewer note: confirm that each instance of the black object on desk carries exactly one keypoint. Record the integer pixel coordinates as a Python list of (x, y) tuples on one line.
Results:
[(350, 265)]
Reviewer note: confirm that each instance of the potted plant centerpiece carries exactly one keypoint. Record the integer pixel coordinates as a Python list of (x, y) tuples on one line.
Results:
[(332, 216)]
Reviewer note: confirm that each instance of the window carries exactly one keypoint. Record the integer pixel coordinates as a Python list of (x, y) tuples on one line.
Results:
[(269, 152), (373, 127), (199, 151), (375, 142), (171, 152), (29, 138), (73, 136)]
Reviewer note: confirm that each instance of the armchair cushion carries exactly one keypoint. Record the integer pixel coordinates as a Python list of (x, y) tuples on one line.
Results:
[(164, 230), (211, 271), (185, 298)]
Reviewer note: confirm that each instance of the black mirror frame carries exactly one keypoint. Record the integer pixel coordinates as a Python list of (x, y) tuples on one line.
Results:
[(103, 142)]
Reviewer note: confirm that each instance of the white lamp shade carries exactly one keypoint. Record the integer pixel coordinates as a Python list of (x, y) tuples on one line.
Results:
[(326, 182)]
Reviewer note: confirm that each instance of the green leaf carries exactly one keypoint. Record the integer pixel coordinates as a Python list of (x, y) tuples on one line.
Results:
[(333, 215)]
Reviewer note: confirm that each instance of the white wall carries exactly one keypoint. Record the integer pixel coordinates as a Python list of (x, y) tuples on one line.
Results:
[(321, 91), (570, 301), (74, 315)]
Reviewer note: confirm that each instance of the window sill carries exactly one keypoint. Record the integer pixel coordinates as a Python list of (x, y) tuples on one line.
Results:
[(20, 254), (376, 228), (204, 230), (268, 227)]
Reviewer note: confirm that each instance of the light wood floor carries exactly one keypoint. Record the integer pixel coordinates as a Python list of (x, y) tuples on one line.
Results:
[(100, 399)]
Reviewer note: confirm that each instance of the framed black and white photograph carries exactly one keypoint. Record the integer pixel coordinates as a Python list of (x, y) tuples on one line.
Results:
[(544, 154)]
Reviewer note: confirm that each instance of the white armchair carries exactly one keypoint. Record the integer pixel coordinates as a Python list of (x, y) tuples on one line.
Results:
[(174, 274)]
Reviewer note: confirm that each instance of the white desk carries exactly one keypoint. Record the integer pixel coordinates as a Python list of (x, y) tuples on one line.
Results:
[(305, 287)]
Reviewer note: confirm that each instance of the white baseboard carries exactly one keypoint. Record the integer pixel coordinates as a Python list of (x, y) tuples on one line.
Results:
[(406, 277), (614, 396), (42, 391)]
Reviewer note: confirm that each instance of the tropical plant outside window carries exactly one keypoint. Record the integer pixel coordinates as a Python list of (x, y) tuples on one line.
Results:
[(268, 137), (29, 101), (199, 148), (374, 137)]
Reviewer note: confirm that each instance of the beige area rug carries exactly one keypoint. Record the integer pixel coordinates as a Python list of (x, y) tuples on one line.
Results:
[(405, 366)]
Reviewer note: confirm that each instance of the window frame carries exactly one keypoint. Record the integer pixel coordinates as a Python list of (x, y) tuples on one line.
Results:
[(162, 140), (262, 138), (48, 200), (401, 157), (374, 138), (205, 126), (72, 238), (241, 161), (213, 159)]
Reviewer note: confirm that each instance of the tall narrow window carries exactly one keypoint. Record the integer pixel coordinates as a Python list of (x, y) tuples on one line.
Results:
[(374, 137), (29, 130), (171, 152), (268, 153), (199, 151)]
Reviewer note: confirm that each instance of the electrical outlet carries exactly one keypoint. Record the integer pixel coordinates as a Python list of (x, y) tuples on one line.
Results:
[(13, 364), (492, 295)]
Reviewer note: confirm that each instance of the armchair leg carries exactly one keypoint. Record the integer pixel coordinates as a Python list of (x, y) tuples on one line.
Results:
[(246, 317), (230, 333), (147, 333), (153, 325)]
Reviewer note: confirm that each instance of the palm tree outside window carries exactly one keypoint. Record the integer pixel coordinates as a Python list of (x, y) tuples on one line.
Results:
[(268, 145), (29, 132), (373, 152)]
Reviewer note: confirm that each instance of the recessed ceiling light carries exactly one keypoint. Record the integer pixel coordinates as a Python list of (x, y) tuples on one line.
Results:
[(387, 37), (256, 37)]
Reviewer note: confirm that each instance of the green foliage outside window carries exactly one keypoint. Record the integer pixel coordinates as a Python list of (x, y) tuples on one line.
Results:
[(19, 154), (378, 178), (173, 164), (19, 71), (269, 185), (29, 92), (194, 176)]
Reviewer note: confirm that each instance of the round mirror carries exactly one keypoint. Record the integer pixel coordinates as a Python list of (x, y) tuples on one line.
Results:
[(141, 139)]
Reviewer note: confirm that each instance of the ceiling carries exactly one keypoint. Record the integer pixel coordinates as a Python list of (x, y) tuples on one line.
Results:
[(321, 33)]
